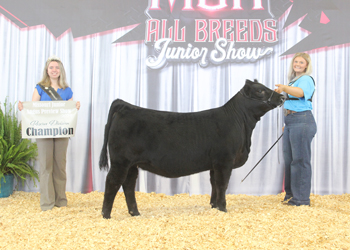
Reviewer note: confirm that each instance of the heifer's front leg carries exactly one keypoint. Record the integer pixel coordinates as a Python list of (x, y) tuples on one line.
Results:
[(129, 191), (222, 177), (114, 179), (213, 201)]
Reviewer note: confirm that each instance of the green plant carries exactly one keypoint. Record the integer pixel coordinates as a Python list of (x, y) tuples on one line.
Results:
[(17, 155)]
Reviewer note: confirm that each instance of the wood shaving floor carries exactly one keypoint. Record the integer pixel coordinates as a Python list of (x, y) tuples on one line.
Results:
[(175, 222)]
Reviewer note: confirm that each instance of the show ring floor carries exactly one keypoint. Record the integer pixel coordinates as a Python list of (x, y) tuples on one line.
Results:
[(175, 222)]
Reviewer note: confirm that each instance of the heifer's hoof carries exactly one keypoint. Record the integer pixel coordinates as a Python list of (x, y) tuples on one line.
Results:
[(222, 209), (136, 213), (105, 216), (213, 205)]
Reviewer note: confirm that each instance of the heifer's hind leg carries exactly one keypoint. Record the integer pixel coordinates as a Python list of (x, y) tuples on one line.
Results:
[(114, 179), (129, 191)]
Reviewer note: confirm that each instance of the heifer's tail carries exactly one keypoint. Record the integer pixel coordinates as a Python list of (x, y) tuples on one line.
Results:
[(103, 156)]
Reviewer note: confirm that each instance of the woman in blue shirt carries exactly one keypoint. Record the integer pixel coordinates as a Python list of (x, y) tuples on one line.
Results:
[(300, 128), (52, 151)]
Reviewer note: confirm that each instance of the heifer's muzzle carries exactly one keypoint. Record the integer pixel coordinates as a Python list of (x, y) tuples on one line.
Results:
[(283, 98)]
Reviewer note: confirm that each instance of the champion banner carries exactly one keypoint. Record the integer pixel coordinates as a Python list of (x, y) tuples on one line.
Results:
[(49, 119)]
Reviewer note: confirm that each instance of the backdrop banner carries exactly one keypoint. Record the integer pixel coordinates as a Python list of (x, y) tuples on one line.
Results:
[(184, 56), (48, 119)]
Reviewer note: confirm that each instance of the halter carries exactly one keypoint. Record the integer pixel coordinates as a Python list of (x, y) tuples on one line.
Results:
[(268, 102)]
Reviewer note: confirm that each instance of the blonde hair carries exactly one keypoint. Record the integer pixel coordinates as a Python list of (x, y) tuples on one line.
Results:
[(46, 82), (308, 71)]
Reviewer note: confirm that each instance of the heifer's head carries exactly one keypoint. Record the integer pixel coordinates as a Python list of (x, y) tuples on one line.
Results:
[(261, 98)]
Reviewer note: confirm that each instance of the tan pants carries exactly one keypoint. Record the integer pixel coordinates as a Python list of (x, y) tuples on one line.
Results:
[(52, 159)]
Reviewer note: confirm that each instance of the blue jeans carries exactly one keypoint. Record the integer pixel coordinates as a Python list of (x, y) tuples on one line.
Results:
[(300, 128)]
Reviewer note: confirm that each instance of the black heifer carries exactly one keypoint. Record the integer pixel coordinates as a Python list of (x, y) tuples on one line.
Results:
[(178, 144)]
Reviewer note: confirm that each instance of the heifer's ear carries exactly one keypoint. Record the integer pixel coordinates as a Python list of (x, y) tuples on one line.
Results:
[(248, 81), (246, 88), (256, 81)]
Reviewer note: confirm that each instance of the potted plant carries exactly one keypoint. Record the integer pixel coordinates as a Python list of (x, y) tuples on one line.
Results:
[(17, 155)]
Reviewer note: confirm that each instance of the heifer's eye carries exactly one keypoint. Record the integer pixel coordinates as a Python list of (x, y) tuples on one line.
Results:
[(260, 91)]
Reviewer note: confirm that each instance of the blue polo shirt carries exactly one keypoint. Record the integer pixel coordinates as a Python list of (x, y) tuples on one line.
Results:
[(307, 85), (65, 94)]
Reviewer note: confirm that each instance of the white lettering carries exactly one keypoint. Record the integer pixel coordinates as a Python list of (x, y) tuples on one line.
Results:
[(32, 111), (42, 104), (58, 104), (223, 51), (49, 111)]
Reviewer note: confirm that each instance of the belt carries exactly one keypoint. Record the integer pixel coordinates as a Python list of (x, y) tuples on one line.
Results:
[(288, 112)]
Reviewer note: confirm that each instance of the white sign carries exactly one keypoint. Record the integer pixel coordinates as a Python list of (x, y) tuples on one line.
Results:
[(47, 119)]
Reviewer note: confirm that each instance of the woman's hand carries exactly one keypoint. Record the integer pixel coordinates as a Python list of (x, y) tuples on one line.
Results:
[(280, 88), (78, 105), (20, 105), (294, 91)]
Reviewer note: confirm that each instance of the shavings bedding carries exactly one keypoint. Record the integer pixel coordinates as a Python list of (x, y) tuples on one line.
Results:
[(175, 222)]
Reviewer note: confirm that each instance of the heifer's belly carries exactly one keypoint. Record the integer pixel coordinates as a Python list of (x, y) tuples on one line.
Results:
[(174, 165)]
